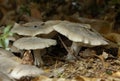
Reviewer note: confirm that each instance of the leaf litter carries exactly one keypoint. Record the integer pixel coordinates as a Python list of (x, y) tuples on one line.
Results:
[(92, 64)]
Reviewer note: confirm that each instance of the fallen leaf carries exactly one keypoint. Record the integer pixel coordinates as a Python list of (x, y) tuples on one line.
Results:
[(115, 37), (82, 78), (34, 11), (116, 74), (101, 26)]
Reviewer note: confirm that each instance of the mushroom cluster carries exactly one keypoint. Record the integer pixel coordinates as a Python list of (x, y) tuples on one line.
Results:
[(80, 34), (30, 41)]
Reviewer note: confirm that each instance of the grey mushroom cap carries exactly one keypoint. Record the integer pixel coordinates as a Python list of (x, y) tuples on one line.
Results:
[(34, 28), (6, 53), (7, 64), (4, 77), (26, 70), (81, 33), (29, 43), (28, 29)]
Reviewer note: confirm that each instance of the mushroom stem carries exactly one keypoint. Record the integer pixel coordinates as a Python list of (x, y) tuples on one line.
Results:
[(74, 50), (37, 56)]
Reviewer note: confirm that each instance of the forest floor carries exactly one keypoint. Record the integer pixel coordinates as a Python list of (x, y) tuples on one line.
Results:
[(91, 63)]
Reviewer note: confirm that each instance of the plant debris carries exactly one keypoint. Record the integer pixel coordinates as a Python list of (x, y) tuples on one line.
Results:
[(40, 18)]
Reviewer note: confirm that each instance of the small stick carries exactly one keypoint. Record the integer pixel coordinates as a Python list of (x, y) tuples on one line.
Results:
[(64, 44)]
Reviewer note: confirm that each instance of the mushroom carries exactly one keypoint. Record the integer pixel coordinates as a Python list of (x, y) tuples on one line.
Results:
[(81, 35), (10, 66), (34, 28), (8, 61), (49, 24), (27, 29), (34, 43), (9, 54), (4, 77), (5, 53), (16, 70), (7, 64), (25, 70)]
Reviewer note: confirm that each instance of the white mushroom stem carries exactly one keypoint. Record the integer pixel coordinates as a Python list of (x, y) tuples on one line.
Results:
[(37, 56), (74, 50)]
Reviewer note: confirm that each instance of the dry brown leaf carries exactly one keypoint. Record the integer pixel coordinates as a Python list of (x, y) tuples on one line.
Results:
[(82, 78), (116, 74), (115, 37), (8, 18), (101, 26), (34, 11), (118, 52), (79, 78), (103, 61), (27, 58), (88, 53), (44, 78)]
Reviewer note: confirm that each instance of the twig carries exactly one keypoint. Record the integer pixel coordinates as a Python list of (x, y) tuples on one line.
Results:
[(64, 44)]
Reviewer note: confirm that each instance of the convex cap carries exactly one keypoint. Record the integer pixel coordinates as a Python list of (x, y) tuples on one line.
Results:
[(5, 53), (4, 77), (82, 33), (29, 43), (25, 70), (34, 28)]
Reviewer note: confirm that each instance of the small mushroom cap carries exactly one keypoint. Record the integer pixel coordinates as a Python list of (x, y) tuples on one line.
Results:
[(25, 70), (7, 64), (5, 53), (34, 28), (81, 33), (4, 77), (28, 29), (33, 43)]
